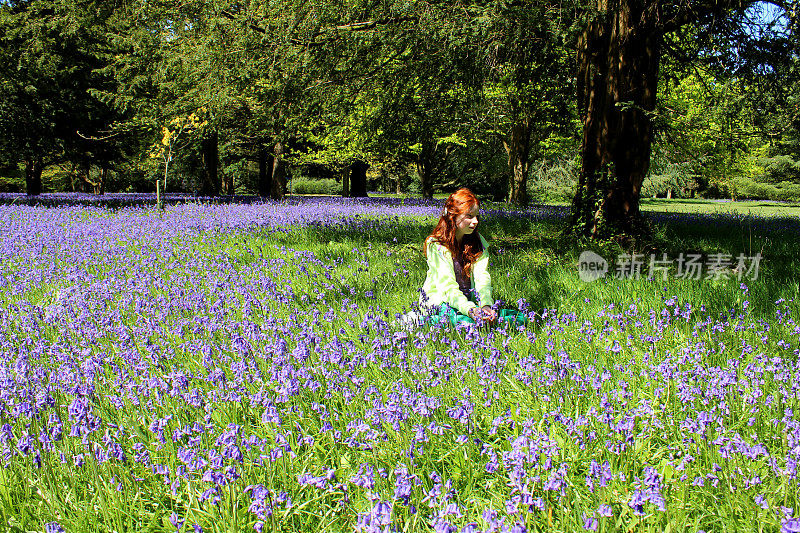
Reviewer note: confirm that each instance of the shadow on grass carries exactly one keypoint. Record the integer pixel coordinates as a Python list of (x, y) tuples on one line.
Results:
[(673, 201), (532, 260)]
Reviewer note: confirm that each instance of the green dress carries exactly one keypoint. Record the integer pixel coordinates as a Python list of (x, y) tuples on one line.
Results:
[(442, 294)]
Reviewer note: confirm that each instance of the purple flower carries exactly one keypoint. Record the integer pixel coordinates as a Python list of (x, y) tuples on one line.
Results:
[(176, 521), (791, 526), (261, 505), (590, 522), (402, 490), (377, 519), (364, 478), (25, 444), (761, 501), (440, 525), (558, 480), (637, 502)]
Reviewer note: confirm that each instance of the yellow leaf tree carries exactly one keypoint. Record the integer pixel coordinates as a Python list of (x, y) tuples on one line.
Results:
[(171, 134)]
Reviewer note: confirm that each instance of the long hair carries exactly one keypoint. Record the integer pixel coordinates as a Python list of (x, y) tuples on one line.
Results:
[(470, 248)]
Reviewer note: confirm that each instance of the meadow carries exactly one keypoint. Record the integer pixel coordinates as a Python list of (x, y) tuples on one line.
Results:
[(237, 368)]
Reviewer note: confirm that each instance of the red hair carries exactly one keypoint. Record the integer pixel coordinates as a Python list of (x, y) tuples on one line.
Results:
[(460, 202)]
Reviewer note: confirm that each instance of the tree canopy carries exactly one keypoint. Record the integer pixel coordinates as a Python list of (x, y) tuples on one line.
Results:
[(625, 98)]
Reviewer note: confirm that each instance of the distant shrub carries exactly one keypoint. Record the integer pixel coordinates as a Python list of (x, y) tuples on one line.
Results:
[(672, 184), (553, 180), (302, 185), (750, 189), (780, 168), (12, 178), (668, 177)]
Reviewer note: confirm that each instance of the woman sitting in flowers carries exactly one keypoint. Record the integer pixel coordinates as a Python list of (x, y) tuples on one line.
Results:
[(458, 285)]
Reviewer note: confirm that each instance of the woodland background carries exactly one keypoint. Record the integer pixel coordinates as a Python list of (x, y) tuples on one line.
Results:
[(269, 98)]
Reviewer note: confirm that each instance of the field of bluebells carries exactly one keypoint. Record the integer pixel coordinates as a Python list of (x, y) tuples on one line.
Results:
[(225, 368)]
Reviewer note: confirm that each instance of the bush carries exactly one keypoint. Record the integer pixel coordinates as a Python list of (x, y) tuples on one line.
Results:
[(749, 189), (12, 179), (483, 167), (553, 180), (303, 185), (780, 168), (671, 184)]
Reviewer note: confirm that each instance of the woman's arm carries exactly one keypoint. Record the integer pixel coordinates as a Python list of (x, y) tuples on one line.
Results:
[(481, 277), (440, 265)]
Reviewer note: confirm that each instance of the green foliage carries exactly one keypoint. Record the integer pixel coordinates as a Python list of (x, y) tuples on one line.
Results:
[(705, 138), (780, 168), (554, 180), (434, 90), (302, 185), (624, 331), (745, 188), (529, 83), (12, 178), (669, 177)]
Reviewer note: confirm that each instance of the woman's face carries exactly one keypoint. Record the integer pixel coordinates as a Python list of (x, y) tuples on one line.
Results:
[(466, 223)]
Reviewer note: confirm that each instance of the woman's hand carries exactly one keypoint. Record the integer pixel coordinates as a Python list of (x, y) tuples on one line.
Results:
[(485, 313)]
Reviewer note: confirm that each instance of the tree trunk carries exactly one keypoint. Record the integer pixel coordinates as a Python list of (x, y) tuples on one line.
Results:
[(265, 164), (399, 189), (228, 187), (99, 187), (425, 166), (618, 62), (346, 182), (278, 188), (210, 154), (86, 177), (518, 149), (33, 177), (73, 176), (358, 179)]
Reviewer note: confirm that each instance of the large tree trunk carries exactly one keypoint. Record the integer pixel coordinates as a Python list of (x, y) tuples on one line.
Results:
[(33, 177), (518, 148), (618, 62), (210, 154), (346, 182), (278, 189), (385, 182), (358, 179), (99, 187), (425, 168), (265, 164), (86, 177), (73, 177)]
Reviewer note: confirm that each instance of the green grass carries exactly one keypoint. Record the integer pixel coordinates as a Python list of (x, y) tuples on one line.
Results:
[(759, 208), (532, 262), (669, 353)]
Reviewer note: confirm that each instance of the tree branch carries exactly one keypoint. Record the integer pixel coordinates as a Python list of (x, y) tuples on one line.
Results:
[(706, 10), (91, 138), (352, 26), (369, 24)]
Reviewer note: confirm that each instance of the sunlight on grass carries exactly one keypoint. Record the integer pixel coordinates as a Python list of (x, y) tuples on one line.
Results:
[(240, 368)]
